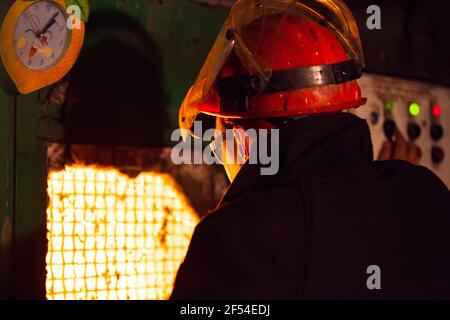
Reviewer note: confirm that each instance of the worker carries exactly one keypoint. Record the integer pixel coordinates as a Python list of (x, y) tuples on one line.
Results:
[(331, 223)]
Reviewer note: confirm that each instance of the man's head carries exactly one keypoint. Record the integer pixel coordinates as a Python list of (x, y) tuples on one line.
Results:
[(278, 59)]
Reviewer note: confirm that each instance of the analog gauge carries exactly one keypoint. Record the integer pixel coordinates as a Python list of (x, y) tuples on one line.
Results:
[(41, 36)]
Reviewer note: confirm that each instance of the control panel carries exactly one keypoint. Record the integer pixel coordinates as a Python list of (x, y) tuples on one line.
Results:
[(421, 111)]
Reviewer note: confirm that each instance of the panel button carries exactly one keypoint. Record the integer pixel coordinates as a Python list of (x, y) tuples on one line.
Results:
[(436, 132), (437, 154), (374, 117), (388, 127), (414, 130)]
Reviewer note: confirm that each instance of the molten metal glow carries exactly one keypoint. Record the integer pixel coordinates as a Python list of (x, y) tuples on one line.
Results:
[(113, 237)]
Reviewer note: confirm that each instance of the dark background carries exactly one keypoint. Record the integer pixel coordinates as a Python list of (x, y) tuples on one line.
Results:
[(414, 40)]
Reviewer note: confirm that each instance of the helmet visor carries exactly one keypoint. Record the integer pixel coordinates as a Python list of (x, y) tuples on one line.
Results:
[(242, 33)]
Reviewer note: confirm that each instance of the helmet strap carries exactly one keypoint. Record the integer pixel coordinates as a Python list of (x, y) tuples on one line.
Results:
[(240, 88)]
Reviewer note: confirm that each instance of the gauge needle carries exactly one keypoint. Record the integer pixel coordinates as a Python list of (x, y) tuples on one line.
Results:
[(49, 24)]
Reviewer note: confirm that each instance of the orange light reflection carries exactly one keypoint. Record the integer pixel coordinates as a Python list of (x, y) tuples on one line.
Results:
[(113, 237)]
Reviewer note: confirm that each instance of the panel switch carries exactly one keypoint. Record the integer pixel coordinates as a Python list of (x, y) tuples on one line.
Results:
[(414, 130)]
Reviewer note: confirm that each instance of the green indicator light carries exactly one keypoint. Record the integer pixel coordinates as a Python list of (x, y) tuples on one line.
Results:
[(389, 105), (414, 109)]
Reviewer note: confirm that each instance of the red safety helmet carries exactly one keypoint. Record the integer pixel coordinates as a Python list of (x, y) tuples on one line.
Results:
[(283, 58)]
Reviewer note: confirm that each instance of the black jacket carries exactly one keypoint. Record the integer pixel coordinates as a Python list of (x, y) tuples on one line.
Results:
[(312, 230)]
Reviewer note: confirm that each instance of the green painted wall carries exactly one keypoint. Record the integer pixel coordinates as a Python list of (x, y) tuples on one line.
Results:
[(183, 30), (30, 201), (7, 125)]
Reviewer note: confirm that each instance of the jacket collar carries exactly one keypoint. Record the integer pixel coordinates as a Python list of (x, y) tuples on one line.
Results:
[(315, 145)]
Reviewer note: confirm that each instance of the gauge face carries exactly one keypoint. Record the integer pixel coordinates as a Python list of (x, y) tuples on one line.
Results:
[(41, 36)]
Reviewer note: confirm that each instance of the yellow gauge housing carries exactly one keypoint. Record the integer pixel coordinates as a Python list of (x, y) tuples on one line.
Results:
[(25, 79)]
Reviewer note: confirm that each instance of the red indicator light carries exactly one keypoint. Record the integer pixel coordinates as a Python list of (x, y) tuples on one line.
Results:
[(436, 110)]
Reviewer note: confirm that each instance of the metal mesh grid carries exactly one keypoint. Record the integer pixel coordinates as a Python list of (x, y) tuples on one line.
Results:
[(113, 237)]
